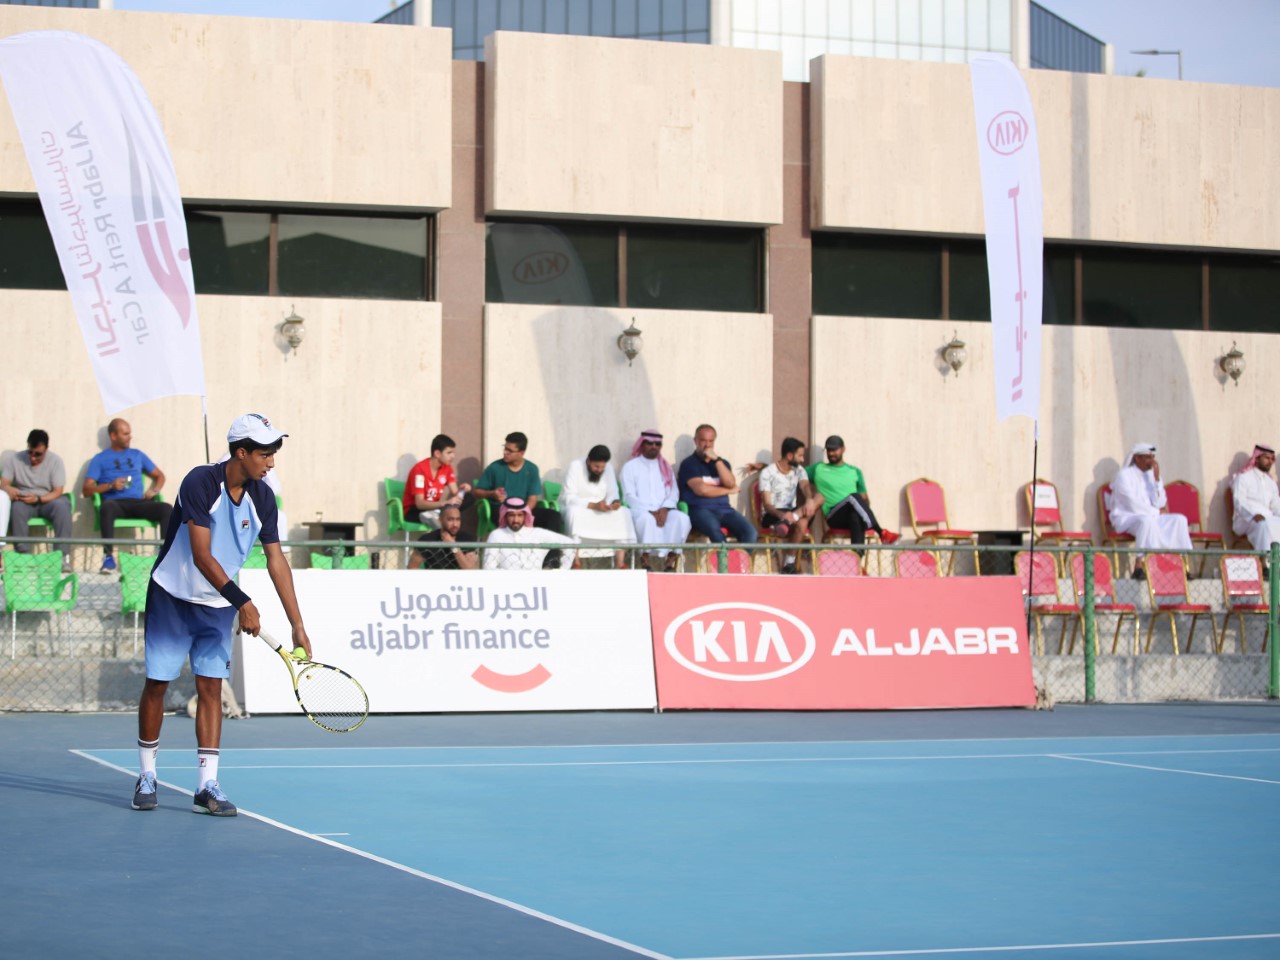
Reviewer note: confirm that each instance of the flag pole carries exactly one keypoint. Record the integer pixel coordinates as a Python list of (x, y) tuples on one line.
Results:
[(1035, 470), (204, 412)]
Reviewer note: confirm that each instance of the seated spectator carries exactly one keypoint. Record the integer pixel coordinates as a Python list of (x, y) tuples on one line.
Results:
[(706, 484), (1140, 507), (514, 529), (116, 475), (592, 506), (787, 502), (449, 531), (845, 503), (432, 483), (1256, 500), (35, 481), (649, 485), (514, 476)]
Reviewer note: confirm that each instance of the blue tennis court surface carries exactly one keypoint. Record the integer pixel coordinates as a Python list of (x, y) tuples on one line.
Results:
[(1118, 846)]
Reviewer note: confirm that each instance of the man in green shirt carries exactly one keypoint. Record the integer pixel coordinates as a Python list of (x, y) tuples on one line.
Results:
[(844, 493), (517, 478)]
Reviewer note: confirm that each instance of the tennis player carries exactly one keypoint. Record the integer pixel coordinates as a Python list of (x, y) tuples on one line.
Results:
[(192, 598)]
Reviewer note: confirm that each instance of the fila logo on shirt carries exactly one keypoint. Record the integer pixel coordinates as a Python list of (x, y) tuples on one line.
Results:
[(244, 524)]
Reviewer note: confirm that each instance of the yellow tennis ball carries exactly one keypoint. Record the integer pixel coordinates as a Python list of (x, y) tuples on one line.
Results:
[(299, 653)]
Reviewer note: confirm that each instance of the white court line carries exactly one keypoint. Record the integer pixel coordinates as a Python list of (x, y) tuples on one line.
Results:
[(1007, 949), (518, 908), (1143, 766)]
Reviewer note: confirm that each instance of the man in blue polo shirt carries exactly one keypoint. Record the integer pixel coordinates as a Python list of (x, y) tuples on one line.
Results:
[(706, 483), (192, 599), (115, 474)]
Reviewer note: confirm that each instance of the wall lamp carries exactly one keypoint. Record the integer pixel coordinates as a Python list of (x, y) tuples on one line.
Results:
[(955, 354), (1232, 364), (293, 329), (630, 342)]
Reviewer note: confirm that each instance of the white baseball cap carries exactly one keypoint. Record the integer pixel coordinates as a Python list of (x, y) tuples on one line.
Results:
[(255, 427)]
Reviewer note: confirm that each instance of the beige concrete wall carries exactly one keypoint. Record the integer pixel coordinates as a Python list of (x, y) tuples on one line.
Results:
[(277, 110), (360, 398), (556, 374), (1123, 159), (880, 383), (644, 130)]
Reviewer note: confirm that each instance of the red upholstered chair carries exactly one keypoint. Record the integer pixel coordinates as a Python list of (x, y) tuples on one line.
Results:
[(1184, 498), (1109, 536), (739, 561), (1104, 594), (1167, 584), (1238, 542), (918, 564), (1038, 574), (927, 504), (1044, 507), (1244, 589), (767, 535), (838, 563)]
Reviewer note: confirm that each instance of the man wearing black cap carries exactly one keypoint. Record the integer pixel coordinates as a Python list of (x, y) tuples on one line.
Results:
[(844, 493)]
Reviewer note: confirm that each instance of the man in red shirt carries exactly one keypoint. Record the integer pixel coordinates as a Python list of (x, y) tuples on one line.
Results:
[(432, 483)]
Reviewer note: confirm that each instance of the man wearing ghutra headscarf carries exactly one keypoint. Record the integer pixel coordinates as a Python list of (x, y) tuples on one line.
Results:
[(1257, 500), (1139, 506), (649, 487)]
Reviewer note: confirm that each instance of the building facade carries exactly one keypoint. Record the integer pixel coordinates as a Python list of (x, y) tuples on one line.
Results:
[(467, 240)]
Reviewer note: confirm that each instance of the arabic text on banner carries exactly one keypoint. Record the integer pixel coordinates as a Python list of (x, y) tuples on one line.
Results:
[(1009, 156), (110, 196)]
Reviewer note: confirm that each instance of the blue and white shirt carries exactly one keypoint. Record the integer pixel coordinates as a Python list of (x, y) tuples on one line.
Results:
[(233, 528)]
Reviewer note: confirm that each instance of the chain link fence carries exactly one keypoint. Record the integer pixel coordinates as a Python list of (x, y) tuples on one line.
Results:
[(1104, 625)]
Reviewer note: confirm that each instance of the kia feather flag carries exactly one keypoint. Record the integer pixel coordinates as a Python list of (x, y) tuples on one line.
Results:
[(1009, 155), (110, 196)]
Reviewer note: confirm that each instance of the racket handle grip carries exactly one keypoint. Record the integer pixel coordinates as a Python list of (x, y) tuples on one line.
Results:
[(270, 641)]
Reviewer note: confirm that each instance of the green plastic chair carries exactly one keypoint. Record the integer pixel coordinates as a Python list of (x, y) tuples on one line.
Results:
[(393, 494), (484, 519), (34, 582), (550, 495), (127, 523), (135, 574), (356, 561), (41, 522)]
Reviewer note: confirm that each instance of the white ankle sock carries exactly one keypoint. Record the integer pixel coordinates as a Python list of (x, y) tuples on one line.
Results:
[(206, 766), (147, 750)]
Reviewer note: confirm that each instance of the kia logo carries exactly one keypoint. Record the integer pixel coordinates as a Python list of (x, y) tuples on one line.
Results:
[(541, 267), (1007, 132), (740, 641)]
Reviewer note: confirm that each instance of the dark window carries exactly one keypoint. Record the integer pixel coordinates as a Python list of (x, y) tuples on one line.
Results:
[(679, 268), (857, 275), (1059, 284), (229, 251), (353, 256), (970, 289), (1141, 288), (28, 260), (1244, 293), (569, 263)]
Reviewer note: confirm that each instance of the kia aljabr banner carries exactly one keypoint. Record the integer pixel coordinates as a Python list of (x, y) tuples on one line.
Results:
[(839, 643)]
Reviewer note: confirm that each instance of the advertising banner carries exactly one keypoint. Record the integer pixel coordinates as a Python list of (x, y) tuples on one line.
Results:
[(110, 196), (445, 641), (839, 643)]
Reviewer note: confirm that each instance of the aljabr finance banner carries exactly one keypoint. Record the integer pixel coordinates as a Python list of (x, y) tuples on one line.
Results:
[(446, 641), (828, 643), (110, 197)]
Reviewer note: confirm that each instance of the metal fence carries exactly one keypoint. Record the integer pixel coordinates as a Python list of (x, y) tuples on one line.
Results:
[(1187, 627)]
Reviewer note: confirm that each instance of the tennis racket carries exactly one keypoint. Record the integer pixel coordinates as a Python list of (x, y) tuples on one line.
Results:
[(331, 698)]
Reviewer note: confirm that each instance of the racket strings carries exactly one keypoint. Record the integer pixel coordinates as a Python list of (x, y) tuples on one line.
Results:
[(332, 698)]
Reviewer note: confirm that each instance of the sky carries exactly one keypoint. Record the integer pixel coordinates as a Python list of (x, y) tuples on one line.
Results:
[(1222, 41)]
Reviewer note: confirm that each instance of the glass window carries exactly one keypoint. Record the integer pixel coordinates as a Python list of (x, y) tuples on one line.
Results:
[(931, 22), (556, 16), (909, 23), (602, 18), (486, 20), (976, 32), (325, 256), (875, 276), (970, 288), (1243, 294), (509, 15), (229, 251), (863, 21), (28, 259), (1138, 288), (673, 16), (650, 21), (697, 15), (579, 18), (562, 263), (441, 13), (624, 12), (707, 268), (1059, 284), (886, 21)]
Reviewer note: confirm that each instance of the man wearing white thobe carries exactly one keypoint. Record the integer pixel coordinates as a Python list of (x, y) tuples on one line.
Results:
[(1256, 500), (591, 505), (1138, 505), (516, 527), (649, 487)]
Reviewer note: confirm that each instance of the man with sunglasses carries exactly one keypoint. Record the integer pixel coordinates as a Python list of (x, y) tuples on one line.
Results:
[(649, 489), (35, 481)]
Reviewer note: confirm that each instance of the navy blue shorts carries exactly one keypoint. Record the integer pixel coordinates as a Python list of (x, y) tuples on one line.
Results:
[(177, 629)]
